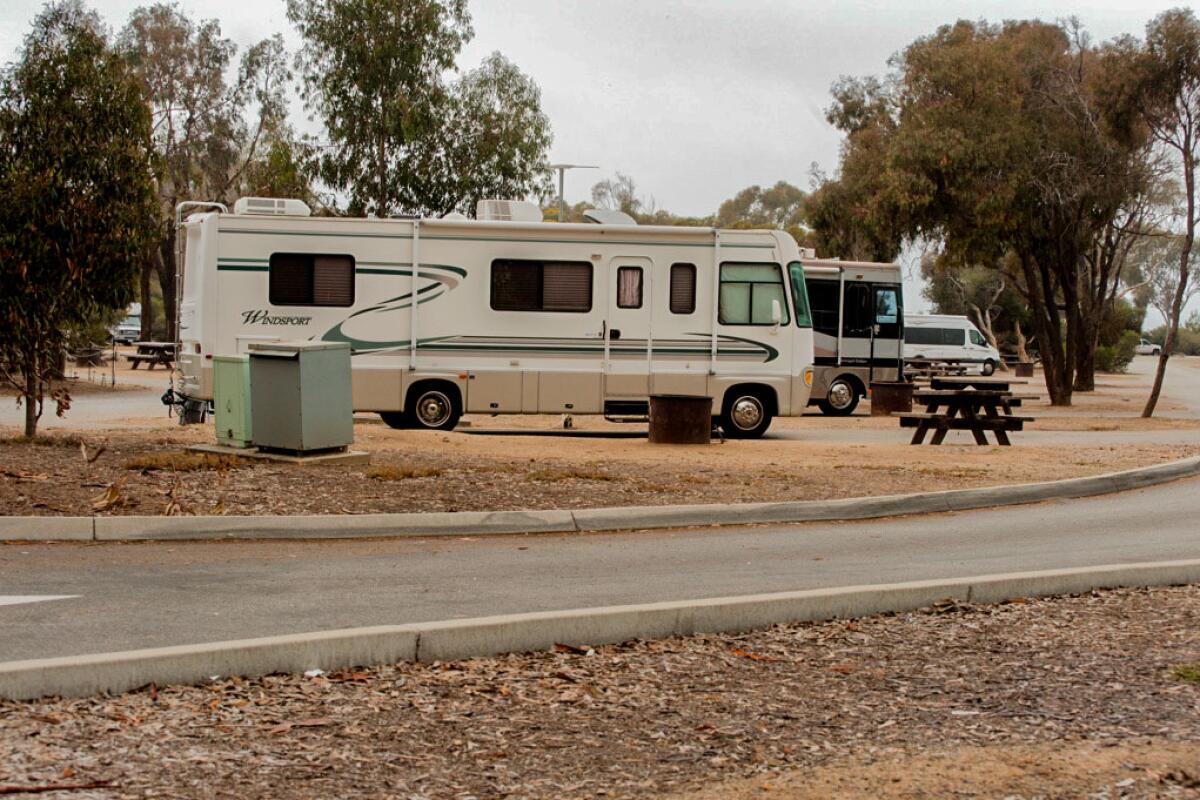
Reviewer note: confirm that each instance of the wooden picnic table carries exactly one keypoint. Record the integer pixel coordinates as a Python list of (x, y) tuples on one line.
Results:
[(152, 353), (930, 367), (972, 409), (974, 382)]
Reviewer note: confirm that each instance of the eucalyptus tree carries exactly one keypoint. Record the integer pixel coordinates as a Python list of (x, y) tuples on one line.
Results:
[(77, 213)]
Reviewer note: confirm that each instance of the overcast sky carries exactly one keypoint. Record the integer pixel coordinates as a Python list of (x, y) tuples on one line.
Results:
[(695, 100)]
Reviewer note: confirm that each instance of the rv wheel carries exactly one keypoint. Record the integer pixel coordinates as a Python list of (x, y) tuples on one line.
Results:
[(435, 409), (395, 419), (745, 416), (840, 400)]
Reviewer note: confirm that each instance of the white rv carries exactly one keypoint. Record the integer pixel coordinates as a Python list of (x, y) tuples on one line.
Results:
[(858, 328), (947, 337), (452, 316)]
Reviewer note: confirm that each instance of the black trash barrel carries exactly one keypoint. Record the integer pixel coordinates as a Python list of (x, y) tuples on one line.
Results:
[(680, 419), (890, 397)]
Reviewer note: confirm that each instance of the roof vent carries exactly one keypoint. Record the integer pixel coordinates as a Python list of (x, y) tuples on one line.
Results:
[(607, 216), (508, 211), (271, 207)]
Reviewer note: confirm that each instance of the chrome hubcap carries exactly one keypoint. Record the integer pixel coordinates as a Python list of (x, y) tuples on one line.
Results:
[(747, 413), (840, 395), (433, 409)]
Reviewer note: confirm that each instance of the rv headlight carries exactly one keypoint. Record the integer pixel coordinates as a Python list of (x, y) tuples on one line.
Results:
[(808, 377)]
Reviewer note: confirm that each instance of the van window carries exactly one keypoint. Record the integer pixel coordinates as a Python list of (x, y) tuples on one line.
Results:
[(954, 337), (629, 287), (310, 279), (929, 336), (977, 338), (823, 300), (799, 295), (683, 288), (747, 292), (526, 285)]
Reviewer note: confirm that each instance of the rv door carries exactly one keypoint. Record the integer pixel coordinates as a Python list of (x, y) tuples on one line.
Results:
[(627, 367)]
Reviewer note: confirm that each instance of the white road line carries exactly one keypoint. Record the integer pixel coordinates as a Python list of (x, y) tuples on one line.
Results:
[(18, 599)]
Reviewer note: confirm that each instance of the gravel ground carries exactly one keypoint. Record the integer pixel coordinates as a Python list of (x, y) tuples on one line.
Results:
[(150, 472), (947, 687)]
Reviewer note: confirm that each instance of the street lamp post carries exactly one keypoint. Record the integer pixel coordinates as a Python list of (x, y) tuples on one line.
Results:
[(562, 171)]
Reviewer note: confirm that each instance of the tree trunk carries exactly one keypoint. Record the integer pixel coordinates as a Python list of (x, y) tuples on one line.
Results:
[(166, 280), (1022, 353), (31, 395), (147, 332), (1056, 363), (1185, 258), (1085, 359)]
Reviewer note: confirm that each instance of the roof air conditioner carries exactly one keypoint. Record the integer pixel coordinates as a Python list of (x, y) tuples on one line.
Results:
[(508, 211), (271, 207)]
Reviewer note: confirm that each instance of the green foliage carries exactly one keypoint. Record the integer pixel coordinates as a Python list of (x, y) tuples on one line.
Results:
[(78, 213), (403, 139), (1117, 357)]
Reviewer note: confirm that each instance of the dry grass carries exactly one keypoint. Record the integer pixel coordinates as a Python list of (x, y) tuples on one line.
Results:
[(570, 474), (182, 462), (394, 472), (69, 440)]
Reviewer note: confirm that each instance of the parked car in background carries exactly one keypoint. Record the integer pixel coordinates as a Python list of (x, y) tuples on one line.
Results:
[(944, 337), (128, 330), (1147, 348)]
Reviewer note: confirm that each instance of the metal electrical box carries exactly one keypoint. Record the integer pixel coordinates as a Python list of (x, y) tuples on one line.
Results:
[(231, 400), (300, 396)]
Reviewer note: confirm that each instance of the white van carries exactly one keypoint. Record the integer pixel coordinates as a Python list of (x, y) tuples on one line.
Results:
[(943, 337)]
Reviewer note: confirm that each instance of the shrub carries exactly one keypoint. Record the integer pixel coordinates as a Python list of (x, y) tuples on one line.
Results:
[(1117, 357)]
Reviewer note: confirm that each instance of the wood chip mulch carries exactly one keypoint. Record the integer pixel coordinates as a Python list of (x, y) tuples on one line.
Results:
[(646, 718)]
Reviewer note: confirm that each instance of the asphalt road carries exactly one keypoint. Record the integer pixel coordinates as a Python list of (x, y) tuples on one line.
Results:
[(154, 594)]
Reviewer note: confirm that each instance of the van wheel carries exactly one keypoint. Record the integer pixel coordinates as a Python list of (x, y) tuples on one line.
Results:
[(989, 367), (745, 415), (841, 399), (395, 419), (435, 408)]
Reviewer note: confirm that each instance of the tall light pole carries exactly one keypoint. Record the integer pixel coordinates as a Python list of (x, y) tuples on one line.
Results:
[(562, 171)]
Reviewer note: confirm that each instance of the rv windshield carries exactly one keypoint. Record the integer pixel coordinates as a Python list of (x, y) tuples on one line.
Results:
[(799, 295)]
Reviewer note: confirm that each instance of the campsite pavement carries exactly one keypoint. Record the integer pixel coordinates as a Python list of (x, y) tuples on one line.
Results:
[(156, 594)]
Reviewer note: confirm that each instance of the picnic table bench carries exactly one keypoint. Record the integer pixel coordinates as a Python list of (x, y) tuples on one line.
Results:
[(930, 367), (152, 353), (975, 404)]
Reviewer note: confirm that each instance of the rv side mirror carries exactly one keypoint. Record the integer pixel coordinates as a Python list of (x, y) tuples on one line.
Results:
[(776, 313)]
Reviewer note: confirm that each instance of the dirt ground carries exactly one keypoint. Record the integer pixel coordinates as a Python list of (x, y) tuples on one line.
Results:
[(1096, 695), (141, 466)]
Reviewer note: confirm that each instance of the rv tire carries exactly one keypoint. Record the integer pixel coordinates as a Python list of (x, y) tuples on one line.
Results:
[(395, 419), (433, 407), (745, 414), (841, 399)]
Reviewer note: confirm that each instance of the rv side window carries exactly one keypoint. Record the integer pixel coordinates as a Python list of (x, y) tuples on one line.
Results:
[(683, 288), (823, 297), (629, 287), (311, 279), (541, 285), (748, 292)]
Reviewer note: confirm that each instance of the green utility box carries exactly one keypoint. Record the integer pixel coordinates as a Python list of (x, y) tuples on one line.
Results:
[(231, 400), (300, 396)]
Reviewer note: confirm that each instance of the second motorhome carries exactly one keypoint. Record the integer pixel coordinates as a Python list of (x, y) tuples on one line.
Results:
[(453, 316), (858, 326)]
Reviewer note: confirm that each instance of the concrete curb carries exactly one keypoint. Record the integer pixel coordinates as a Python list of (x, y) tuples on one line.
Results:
[(478, 523), (456, 639)]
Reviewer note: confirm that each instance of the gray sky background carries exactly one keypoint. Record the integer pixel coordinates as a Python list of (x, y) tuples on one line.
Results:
[(695, 100)]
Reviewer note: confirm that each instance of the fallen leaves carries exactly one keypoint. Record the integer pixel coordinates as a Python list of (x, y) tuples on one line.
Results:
[(315, 722), (110, 498)]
